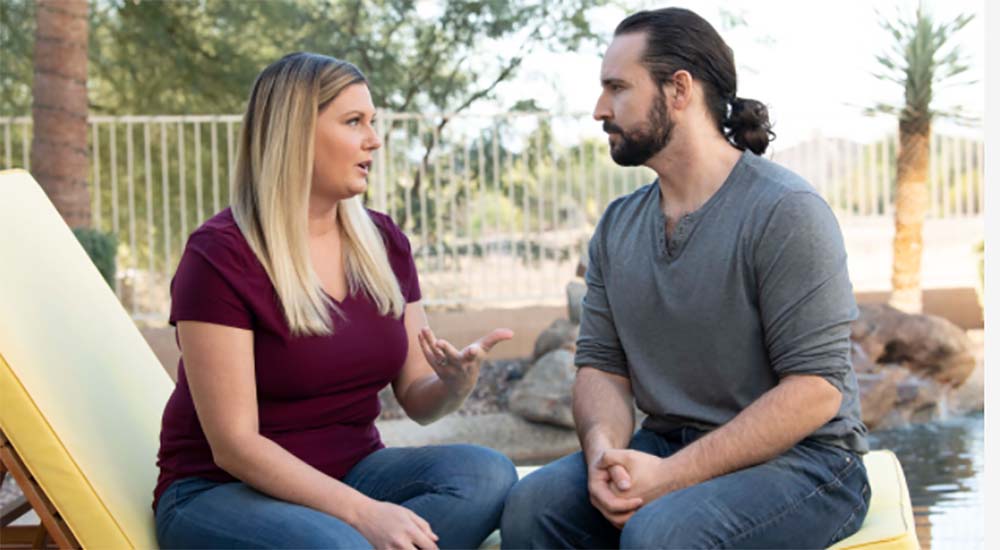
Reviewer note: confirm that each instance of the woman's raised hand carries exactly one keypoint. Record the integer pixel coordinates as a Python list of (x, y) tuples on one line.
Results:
[(459, 369)]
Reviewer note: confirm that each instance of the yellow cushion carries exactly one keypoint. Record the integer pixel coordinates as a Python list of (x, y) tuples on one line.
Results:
[(81, 391), (889, 523)]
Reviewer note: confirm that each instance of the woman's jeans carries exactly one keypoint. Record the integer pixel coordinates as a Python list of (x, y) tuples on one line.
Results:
[(809, 497), (458, 489)]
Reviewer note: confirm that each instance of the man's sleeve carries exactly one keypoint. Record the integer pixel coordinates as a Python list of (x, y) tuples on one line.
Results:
[(806, 300), (598, 345)]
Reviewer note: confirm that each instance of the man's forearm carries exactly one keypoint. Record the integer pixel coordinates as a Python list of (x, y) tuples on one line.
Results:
[(779, 419), (602, 409)]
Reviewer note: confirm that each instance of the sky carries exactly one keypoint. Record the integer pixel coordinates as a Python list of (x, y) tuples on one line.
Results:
[(810, 61)]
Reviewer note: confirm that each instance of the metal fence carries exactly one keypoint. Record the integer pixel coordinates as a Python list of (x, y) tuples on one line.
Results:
[(498, 208)]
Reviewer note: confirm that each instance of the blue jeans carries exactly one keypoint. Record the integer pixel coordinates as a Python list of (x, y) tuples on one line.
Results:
[(809, 497), (458, 489)]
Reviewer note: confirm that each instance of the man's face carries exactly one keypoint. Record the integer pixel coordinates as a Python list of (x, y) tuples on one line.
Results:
[(632, 106)]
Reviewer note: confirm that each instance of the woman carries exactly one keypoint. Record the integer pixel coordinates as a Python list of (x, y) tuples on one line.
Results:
[(293, 308)]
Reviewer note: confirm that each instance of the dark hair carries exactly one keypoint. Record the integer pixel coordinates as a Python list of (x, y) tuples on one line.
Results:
[(679, 39)]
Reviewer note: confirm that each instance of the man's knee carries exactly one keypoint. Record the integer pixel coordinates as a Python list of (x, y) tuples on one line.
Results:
[(662, 526), (524, 502), (550, 491)]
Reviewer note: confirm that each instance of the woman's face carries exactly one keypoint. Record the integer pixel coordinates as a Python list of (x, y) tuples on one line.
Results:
[(344, 142)]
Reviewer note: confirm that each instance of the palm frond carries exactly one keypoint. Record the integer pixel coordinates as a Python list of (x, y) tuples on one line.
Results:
[(919, 59)]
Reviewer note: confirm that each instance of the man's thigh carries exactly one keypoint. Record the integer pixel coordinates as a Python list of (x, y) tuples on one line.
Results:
[(809, 497)]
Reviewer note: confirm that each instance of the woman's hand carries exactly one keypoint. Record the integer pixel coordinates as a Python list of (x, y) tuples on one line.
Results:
[(387, 525), (459, 369)]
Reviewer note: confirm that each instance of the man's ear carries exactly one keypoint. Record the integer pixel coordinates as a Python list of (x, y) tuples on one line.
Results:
[(680, 90)]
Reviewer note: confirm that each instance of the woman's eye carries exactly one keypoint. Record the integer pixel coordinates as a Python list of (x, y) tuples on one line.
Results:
[(354, 121)]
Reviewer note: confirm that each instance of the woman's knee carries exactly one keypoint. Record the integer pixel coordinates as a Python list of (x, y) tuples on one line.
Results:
[(486, 471)]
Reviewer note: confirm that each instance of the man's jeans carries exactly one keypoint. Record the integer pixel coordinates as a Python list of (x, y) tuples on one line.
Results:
[(810, 497), (458, 489)]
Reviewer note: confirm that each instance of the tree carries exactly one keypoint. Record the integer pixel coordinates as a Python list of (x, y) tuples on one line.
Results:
[(919, 61), (420, 56), (59, 156)]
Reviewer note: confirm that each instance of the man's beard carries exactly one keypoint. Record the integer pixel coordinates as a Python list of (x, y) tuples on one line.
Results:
[(638, 145)]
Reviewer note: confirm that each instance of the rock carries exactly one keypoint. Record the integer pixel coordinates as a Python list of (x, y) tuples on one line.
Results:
[(575, 291), (928, 345), (545, 393), (860, 360), (969, 397), (878, 394), (581, 267), (390, 407), (522, 441), (561, 334)]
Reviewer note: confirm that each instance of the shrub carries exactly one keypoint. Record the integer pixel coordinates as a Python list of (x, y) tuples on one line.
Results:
[(101, 247)]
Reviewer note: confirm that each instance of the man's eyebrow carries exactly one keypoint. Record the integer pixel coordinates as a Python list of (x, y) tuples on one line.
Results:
[(611, 81)]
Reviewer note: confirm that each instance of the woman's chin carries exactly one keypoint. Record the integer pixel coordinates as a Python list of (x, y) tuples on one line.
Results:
[(358, 188)]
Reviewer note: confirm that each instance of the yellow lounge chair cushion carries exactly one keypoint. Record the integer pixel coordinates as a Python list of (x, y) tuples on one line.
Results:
[(889, 523), (81, 391)]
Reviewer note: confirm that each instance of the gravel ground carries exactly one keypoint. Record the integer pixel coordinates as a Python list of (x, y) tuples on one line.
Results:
[(496, 379)]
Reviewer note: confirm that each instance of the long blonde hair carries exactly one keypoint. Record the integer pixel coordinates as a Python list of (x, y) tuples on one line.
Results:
[(271, 186)]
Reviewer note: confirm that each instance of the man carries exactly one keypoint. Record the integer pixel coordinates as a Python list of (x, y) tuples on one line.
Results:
[(718, 298)]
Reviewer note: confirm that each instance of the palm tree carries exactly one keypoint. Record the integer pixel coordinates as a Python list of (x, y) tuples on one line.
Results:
[(918, 62), (59, 157)]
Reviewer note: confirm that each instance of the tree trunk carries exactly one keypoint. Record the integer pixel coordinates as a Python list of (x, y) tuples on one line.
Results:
[(911, 208), (59, 154)]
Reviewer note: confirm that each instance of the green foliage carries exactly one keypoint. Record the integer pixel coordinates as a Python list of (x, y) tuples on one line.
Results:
[(101, 248), (919, 60), (190, 57), (17, 38)]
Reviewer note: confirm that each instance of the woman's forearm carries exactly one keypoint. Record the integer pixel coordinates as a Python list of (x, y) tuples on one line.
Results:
[(430, 398), (272, 470)]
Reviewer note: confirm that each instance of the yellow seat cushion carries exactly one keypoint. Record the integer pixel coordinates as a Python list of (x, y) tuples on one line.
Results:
[(81, 393), (889, 523)]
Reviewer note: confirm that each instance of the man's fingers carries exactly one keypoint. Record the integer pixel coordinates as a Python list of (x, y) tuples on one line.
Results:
[(610, 502), (620, 477), (619, 520)]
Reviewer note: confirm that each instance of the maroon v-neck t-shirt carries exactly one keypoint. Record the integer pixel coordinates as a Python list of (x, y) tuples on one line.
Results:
[(317, 396)]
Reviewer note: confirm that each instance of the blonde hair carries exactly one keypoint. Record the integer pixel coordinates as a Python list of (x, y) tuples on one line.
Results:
[(271, 186)]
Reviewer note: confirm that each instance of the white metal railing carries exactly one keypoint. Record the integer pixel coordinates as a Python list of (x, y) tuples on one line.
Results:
[(498, 212)]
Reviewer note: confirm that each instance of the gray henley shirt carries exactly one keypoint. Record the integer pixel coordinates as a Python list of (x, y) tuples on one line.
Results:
[(751, 287)]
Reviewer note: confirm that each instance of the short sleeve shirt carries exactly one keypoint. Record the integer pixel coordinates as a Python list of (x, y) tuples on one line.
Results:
[(317, 396)]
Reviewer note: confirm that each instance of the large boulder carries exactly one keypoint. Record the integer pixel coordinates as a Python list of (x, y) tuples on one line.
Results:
[(575, 291), (561, 334), (545, 394), (928, 345), (895, 394)]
